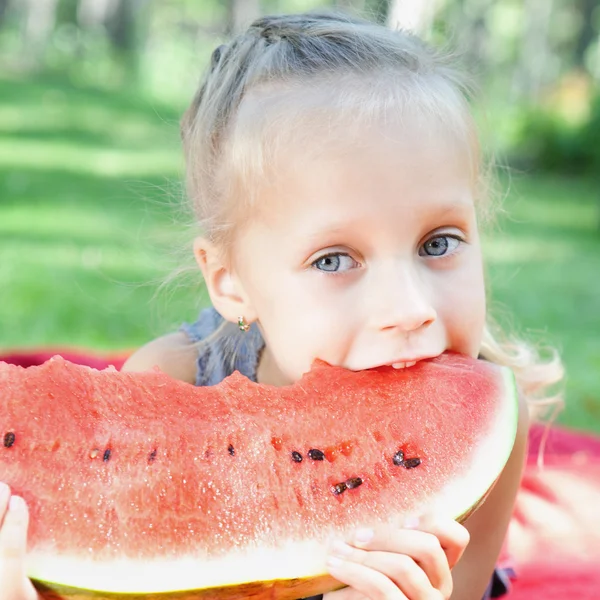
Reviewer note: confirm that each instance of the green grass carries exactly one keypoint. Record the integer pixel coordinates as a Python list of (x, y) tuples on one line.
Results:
[(89, 183), (544, 267), (90, 224)]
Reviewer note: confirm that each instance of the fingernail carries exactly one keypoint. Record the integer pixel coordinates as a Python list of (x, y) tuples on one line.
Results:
[(4, 489), (16, 503), (363, 536), (333, 562), (340, 548), (411, 523)]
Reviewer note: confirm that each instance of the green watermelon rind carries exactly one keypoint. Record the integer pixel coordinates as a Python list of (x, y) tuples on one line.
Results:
[(293, 561)]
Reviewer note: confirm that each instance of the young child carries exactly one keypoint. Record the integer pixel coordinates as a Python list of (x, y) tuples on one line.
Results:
[(335, 172)]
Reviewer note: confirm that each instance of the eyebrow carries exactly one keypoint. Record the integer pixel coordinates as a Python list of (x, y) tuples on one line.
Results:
[(330, 230), (460, 206), (446, 209)]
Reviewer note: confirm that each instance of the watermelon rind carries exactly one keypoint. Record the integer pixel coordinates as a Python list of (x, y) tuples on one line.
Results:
[(291, 564)]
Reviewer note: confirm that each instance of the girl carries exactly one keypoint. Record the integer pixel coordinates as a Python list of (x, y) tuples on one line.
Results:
[(335, 171)]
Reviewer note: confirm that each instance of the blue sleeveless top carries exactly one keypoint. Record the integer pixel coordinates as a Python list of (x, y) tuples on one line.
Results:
[(213, 365)]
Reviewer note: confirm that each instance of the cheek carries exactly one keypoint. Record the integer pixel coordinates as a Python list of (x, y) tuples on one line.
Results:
[(302, 321), (463, 310)]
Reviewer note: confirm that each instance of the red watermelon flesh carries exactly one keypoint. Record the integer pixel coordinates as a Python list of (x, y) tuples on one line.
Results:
[(138, 483)]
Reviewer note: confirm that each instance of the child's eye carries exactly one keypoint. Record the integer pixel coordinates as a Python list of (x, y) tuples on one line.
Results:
[(335, 263), (440, 245)]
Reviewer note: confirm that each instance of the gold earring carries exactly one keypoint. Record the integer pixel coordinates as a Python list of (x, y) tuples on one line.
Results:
[(242, 325)]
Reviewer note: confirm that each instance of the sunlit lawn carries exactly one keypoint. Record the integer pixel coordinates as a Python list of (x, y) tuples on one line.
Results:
[(90, 224)]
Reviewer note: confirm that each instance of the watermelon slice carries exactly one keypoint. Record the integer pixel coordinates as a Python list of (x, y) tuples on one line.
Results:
[(143, 487)]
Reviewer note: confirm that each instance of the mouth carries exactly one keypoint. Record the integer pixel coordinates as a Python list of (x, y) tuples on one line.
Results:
[(404, 365)]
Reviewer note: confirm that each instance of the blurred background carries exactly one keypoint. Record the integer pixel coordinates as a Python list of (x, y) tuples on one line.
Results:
[(93, 222)]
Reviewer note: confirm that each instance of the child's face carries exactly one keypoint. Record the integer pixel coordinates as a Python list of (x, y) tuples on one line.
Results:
[(366, 254)]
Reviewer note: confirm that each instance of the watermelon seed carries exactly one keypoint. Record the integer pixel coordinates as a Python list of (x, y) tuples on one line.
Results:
[(411, 463), (353, 482), (94, 453), (9, 439), (152, 456), (398, 458), (106, 455), (315, 454), (338, 488), (296, 456), (231, 450)]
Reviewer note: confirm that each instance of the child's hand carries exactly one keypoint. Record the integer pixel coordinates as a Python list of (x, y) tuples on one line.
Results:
[(399, 563), (13, 544)]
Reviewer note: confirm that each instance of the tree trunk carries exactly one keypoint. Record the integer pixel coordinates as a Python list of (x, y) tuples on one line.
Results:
[(414, 15), (354, 6), (533, 62), (377, 10), (95, 13), (479, 34), (120, 25), (125, 23), (587, 33), (3, 10), (240, 14), (40, 17)]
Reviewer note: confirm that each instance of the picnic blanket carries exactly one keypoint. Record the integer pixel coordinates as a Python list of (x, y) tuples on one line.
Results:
[(553, 541), (554, 535)]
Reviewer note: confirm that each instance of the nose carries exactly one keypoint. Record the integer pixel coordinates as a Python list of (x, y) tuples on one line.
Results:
[(403, 300)]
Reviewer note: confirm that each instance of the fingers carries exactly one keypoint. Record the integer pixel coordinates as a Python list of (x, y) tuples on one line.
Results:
[(363, 580), (363, 570), (381, 574), (13, 543), (4, 498), (14, 520), (416, 562), (452, 537), (423, 548)]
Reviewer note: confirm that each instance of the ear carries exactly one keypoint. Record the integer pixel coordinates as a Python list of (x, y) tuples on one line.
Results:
[(224, 288)]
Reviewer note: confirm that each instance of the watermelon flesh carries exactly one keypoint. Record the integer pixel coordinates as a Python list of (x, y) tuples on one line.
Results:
[(139, 484)]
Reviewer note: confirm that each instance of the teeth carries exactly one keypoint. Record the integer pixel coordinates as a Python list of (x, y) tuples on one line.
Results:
[(404, 365)]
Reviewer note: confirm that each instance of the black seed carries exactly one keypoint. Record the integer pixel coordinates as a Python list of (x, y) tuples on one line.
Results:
[(9, 439), (353, 482), (152, 456), (411, 463), (315, 454), (398, 458), (231, 450), (106, 455), (296, 456), (338, 488)]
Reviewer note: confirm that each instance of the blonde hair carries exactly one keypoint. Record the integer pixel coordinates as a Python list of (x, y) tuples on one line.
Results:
[(368, 71)]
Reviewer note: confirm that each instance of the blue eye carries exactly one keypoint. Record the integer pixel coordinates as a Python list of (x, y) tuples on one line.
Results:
[(334, 263), (439, 245)]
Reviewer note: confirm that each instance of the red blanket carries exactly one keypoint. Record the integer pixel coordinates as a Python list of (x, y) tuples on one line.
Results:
[(554, 537)]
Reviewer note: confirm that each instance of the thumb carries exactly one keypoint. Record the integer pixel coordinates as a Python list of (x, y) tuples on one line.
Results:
[(13, 546)]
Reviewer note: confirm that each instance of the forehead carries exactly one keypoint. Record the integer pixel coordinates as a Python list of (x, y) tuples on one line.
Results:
[(280, 126), (390, 171)]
